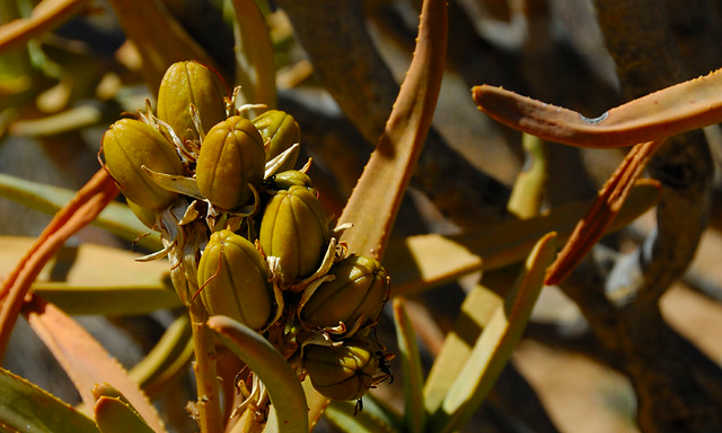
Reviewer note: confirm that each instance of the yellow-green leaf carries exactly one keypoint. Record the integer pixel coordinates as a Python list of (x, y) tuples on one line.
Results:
[(167, 358), (346, 418), (269, 365), (97, 280), (108, 300), (476, 311), (82, 116), (26, 408), (411, 370), (116, 218), (526, 196), (113, 415), (495, 344)]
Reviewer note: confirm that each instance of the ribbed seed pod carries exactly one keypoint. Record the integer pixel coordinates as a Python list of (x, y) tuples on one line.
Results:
[(127, 145), (145, 215), (344, 372), (187, 83), (355, 297), (294, 228), (289, 178), (282, 130), (231, 156), (236, 281)]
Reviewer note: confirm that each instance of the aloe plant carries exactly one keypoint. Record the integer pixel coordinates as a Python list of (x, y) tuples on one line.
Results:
[(277, 271)]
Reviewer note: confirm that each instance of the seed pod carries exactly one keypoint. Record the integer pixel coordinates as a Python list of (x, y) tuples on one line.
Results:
[(282, 131), (145, 215), (294, 228), (186, 83), (231, 156), (344, 372), (127, 145), (355, 297), (289, 178), (235, 278)]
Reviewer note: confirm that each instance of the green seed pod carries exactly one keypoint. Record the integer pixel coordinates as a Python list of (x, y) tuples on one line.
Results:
[(145, 215), (282, 130), (294, 228), (289, 178), (355, 297), (344, 372), (127, 145), (231, 157), (187, 83), (235, 278)]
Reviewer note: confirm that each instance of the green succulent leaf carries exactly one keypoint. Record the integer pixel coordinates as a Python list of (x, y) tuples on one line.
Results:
[(411, 370), (496, 343), (113, 415), (75, 118), (345, 417), (265, 361), (381, 410), (24, 407), (476, 311), (116, 218), (168, 357), (107, 300), (96, 279), (526, 197)]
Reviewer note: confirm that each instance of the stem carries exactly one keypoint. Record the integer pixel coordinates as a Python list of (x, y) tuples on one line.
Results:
[(208, 403), (183, 260)]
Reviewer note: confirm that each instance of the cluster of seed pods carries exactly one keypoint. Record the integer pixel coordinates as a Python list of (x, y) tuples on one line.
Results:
[(266, 255)]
